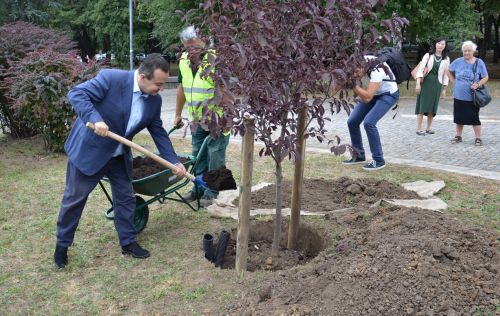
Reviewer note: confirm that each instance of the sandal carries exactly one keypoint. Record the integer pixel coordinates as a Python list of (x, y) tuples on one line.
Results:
[(478, 142), (456, 140), (429, 131), (420, 133)]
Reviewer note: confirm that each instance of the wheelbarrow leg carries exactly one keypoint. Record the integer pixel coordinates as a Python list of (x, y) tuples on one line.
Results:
[(141, 211), (109, 212), (106, 192), (187, 203)]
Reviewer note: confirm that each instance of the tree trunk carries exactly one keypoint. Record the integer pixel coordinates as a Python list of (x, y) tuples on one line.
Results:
[(421, 51), (496, 53), (488, 22), (244, 204), (278, 159), (298, 180), (481, 41), (277, 217)]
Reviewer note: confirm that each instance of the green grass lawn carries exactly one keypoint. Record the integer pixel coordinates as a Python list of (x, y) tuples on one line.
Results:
[(176, 280)]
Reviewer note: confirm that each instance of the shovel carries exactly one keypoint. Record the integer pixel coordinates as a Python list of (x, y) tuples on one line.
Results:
[(196, 180)]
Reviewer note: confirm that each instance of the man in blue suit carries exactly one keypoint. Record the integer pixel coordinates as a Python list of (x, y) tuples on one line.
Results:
[(124, 102)]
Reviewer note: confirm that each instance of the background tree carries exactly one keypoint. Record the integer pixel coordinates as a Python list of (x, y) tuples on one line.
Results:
[(433, 19), (110, 19), (489, 24), (73, 17), (34, 11), (166, 23), (275, 58), (94, 25)]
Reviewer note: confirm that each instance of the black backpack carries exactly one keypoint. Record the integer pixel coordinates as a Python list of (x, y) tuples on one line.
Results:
[(396, 61)]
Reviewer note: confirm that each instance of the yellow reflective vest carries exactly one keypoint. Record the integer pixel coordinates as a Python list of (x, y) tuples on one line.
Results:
[(197, 89)]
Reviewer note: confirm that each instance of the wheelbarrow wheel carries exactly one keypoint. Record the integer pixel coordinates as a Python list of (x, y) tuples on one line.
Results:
[(141, 214)]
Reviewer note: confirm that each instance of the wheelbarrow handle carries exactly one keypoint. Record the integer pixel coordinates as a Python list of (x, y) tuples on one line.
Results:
[(143, 150)]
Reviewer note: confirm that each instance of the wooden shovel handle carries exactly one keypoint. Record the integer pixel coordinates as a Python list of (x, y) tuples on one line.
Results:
[(143, 150)]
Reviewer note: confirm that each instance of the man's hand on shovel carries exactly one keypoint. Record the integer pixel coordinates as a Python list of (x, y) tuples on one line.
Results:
[(101, 129), (178, 169), (181, 172)]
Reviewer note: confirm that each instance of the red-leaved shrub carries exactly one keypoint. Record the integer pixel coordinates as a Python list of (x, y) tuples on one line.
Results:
[(36, 88), (17, 40)]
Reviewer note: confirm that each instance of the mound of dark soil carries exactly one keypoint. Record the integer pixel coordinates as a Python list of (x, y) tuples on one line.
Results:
[(144, 167), (388, 261), (321, 195)]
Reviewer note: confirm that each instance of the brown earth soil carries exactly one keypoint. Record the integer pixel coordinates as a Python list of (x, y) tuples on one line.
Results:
[(322, 195), (382, 261), (145, 167), (311, 243), (220, 179)]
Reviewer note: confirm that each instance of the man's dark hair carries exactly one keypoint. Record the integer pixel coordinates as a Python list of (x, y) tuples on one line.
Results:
[(151, 63)]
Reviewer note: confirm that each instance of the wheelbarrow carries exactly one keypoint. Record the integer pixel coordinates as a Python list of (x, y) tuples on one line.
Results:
[(159, 187)]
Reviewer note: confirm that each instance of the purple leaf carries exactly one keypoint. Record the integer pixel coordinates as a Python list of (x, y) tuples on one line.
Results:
[(319, 32)]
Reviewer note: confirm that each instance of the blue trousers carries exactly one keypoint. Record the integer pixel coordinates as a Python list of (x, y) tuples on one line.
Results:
[(370, 113), (78, 188), (214, 156)]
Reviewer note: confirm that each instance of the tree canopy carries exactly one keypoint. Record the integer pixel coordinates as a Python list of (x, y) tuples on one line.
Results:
[(166, 23), (432, 19), (102, 25)]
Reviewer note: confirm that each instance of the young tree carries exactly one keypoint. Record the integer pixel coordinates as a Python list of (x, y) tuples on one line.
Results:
[(275, 58)]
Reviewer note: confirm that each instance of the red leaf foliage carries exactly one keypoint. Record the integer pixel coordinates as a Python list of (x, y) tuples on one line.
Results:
[(16, 41), (276, 57), (37, 68)]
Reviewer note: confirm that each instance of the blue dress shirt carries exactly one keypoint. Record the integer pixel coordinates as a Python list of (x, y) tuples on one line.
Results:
[(136, 111)]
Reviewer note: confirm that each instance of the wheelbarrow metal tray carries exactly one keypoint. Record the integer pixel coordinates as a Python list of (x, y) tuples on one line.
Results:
[(158, 182)]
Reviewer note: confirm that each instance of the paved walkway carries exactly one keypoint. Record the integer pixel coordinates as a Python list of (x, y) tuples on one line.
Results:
[(401, 145)]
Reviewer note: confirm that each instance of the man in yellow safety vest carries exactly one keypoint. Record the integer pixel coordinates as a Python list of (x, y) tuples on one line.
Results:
[(193, 89)]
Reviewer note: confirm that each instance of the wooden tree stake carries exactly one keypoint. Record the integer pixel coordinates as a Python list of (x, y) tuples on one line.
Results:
[(244, 199)]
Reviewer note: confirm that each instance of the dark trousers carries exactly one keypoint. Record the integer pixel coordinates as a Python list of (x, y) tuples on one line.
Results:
[(214, 157), (78, 188), (370, 113)]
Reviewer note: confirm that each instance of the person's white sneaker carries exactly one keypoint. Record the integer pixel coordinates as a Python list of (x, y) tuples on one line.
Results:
[(373, 165)]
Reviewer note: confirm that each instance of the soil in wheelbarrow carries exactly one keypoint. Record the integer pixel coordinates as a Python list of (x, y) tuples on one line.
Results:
[(383, 260), (219, 179), (144, 167)]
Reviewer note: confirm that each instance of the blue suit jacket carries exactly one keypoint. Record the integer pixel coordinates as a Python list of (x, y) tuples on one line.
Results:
[(108, 98)]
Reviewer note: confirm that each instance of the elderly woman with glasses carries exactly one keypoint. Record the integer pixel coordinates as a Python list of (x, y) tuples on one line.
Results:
[(468, 73)]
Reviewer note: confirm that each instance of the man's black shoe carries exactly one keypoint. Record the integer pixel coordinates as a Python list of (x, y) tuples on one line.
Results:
[(61, 256), (135, 251)]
